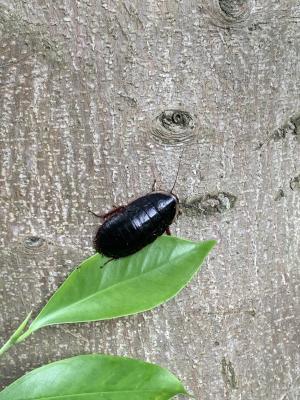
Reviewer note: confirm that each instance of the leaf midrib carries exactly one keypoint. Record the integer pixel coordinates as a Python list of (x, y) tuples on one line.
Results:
[(115, 284), (93, 393)]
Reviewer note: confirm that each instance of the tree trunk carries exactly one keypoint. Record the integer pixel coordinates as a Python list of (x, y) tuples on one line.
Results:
[(98, 98)]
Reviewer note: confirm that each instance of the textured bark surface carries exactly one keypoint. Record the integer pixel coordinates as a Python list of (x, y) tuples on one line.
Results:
[(98, 97)]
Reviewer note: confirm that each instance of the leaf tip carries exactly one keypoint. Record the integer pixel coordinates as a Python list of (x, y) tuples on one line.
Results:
[(184, 392), (211, 244)]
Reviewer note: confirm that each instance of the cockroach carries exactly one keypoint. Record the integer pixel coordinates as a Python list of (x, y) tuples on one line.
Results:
[(127, 229)]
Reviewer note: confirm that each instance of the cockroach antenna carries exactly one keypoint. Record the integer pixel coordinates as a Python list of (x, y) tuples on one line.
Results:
[(179, 164)]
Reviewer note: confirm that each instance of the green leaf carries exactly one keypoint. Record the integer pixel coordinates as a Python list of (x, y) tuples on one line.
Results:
[(95, 377), (125, 286)]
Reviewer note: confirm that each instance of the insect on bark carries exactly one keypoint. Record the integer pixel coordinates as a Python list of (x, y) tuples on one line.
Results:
[(127, 229)]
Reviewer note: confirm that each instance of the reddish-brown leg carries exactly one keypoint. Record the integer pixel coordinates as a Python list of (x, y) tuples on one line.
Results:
[(153, 188), (109, 213), (168, 232)]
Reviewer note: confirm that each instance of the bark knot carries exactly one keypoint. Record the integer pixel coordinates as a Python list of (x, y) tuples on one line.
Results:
[(34, 242), (234, 8), (173, 127), (209, 204), (228, 374), (295, 183), (229, 13)]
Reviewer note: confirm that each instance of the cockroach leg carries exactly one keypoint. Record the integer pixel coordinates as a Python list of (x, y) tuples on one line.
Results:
[(94, 214), (102, 266), (108, 214), (153, 188), (115, 210), (168, 231)]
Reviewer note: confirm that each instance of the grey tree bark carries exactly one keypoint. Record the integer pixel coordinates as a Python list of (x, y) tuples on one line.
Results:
[(99, 97)]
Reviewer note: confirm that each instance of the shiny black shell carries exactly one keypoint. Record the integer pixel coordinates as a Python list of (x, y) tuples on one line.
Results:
[(136, 225)]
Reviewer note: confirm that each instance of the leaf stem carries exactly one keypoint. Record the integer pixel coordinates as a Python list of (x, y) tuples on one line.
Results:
[(18, 336), (24, 336), (6, 346)]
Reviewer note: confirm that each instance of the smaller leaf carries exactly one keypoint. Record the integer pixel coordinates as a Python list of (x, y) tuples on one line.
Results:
[(95, 377)]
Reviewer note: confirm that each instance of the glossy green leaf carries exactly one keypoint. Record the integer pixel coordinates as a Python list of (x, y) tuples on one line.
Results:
[(95, 377), (126, 286)]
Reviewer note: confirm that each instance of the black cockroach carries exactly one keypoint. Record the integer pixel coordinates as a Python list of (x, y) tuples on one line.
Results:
[(128, 229)]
